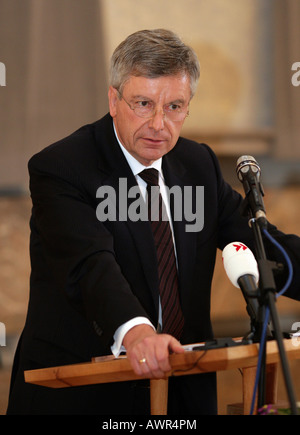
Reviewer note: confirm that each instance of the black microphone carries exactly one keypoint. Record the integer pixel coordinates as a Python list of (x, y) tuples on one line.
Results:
[(248, 172)]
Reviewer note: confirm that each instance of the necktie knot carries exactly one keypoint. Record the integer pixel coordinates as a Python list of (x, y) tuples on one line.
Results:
[(150, 176)]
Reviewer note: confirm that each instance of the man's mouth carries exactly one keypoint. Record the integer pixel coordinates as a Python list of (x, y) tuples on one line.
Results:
[(155, 141)]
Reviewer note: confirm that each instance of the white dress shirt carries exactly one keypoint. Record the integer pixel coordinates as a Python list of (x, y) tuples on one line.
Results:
[(136, 168)]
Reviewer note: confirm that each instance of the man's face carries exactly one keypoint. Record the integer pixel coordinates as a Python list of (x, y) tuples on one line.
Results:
[(148, 139)]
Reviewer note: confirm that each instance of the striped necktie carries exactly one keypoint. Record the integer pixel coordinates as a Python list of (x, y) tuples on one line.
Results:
[(172, 317)]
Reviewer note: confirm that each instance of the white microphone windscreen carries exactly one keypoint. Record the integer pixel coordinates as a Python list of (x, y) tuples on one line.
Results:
[(238, 260)]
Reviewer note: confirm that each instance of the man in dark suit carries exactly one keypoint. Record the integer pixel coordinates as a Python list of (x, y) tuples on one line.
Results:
[(95, 282)]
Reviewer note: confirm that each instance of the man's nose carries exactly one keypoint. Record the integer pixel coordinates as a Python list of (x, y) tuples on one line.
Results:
[(157, 122)]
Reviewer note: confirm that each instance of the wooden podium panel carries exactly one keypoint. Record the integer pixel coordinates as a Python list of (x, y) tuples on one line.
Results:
[(104, 370)]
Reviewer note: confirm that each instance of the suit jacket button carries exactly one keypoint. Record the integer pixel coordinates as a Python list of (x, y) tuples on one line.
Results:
[(97, 328)]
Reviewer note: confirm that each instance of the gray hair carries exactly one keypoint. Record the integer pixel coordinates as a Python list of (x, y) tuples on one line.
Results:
[(152, 54)]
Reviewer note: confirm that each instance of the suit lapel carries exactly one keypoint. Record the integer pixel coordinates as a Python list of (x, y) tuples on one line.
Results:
[(113, 167), (175, 175)]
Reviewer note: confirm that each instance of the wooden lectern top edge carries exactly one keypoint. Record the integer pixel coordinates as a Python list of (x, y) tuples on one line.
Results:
[(190, 362)]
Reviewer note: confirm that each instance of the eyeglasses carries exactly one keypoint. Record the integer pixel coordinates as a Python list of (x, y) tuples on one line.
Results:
[(147, 109)]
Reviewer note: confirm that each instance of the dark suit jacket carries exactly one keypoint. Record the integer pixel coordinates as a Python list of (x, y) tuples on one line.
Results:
[(88, 277)]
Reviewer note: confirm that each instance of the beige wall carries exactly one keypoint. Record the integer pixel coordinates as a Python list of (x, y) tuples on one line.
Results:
[(56, 54), (55, 77)]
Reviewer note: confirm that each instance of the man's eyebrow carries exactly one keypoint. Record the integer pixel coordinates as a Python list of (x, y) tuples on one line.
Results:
[(179, 100), (143, 97)]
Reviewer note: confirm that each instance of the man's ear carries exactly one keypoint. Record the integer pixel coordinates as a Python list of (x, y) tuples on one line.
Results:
[(112, 101)]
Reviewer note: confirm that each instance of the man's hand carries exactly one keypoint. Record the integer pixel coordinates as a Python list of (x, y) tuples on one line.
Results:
[(148, 352)]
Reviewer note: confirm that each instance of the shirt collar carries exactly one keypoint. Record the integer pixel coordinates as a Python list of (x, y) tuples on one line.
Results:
[(134, 164)]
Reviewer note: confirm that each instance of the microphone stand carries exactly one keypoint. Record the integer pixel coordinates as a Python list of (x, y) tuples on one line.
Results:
[(266, 298)]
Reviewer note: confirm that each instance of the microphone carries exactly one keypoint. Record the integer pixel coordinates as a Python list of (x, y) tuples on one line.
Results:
[(248, 172), (242, 270), (240, 265)]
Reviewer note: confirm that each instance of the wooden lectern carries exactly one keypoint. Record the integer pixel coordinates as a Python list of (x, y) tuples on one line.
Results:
[(103, 370)]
